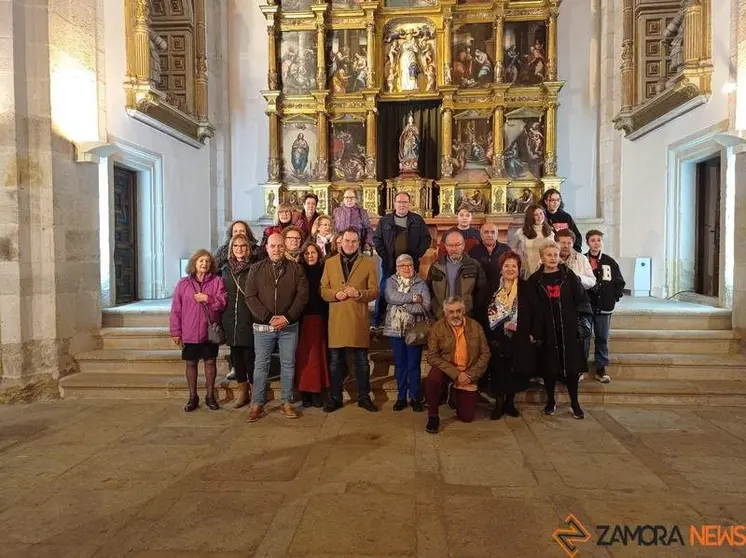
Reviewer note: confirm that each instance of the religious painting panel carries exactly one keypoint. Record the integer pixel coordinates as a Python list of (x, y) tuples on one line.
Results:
[(475, 200), (298, 62), (410, 63), (473, 146), (524, 52), (347, 150), (524, 134), (295, 5), (347, 69), (519, 198), (346, 4), (474, 2), (473, 45), (299, 156), (410, 3)]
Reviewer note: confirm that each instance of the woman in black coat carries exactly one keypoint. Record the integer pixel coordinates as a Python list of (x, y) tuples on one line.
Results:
[(507, 334), (558, 218), (236, 320), (558, 317)]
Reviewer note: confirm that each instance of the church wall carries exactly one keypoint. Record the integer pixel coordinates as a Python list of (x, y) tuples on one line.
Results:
[(186, 170), (644, 162), (249, 125), (577, 118)]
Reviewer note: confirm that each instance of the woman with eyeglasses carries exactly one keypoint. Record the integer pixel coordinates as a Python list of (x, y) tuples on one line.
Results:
[(285, 216), (236, 319), (322, 235), (558, 218), (350, 214)]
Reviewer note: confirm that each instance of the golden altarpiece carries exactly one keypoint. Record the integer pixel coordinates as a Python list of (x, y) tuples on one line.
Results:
[(485, 70)]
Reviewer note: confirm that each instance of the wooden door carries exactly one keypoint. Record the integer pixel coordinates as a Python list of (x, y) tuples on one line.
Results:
[(707, 247), (125, 235)]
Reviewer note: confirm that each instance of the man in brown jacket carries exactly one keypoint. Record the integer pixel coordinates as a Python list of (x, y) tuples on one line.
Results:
[(276, 292), (349, 283), (458, 353)]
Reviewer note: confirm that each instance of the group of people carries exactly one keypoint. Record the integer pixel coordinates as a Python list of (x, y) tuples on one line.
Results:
[(488, 316)]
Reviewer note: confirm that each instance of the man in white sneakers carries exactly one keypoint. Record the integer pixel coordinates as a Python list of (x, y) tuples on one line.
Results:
[(604, 296)]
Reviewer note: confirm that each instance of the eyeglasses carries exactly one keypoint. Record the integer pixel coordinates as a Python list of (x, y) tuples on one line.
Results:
[(241, 246), (292, 238), (405, 265), (555, 199), (349, 198)]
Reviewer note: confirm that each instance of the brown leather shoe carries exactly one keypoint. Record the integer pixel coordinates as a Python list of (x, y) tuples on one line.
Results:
[(289, 411), (255, 413)]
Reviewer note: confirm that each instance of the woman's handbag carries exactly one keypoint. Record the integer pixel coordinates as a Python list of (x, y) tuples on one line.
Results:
[(417, 335), (215, 333)]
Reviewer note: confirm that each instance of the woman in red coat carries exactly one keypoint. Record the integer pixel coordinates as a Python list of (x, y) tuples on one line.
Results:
[(311, 369)]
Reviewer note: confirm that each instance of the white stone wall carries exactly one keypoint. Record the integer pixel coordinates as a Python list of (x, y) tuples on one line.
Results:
[(249, 124)]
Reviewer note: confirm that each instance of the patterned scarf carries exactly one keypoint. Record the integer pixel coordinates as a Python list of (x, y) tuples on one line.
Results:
[(401, 320), (236, 266), (503, 307)]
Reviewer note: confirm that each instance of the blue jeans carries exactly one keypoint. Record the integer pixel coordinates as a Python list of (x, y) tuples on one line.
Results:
[(601, 326), (338, 372), (264, 344), (407, 360), (379, 312)]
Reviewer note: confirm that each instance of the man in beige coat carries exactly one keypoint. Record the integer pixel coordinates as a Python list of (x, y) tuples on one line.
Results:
[(349, 283)]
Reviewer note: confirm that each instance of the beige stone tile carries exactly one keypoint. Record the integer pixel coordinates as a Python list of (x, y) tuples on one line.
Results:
[(674, 444), (350, 525), (485, 468), (352, 463), (498, 438), (175, 436), (207, 522), (710, 472), (656, 420), (279, 465), (603, 470), (478, 527)]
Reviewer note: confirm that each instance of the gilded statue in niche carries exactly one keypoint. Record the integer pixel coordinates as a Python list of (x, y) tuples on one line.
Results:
[(524, 145), (298, 62), (524, 53), (409, 146), (472, 65), (157, 45), (410, 58), (673, 38), (347, 70)]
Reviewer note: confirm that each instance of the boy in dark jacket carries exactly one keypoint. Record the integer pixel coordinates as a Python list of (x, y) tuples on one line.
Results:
[(604, 296)]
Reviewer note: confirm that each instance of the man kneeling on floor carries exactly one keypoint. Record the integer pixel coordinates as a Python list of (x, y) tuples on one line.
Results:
[(458, 353)]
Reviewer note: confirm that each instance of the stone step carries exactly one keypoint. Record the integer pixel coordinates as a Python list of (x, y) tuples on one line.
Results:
[(705, 319), (622, 341), (122, 385)]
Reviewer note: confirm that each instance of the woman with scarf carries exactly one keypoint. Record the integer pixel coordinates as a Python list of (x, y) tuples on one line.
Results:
[(408, 301), (322, 234), (558, 318), (284, 219), (504, 336), (237, 227), (311, 368), (236, 319)]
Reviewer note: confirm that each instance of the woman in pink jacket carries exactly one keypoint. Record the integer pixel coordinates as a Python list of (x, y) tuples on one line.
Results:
[(198, 295)]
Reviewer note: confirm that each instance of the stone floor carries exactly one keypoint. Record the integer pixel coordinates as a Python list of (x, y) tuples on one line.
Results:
[(113, 478)]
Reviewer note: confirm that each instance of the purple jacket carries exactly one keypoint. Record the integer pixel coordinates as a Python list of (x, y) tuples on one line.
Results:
[(356, 217), (187, 319)]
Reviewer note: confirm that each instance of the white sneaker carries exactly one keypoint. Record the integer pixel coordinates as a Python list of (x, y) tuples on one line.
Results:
[(581, 378), (230, 376), (604, 378)]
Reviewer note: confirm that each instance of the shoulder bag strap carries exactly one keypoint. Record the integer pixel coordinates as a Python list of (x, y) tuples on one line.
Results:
[(204, 307)]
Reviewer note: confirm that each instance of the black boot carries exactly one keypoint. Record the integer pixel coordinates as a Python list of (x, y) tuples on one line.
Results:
[(305, 398), (509, 407), (316, 400), (498, 411)]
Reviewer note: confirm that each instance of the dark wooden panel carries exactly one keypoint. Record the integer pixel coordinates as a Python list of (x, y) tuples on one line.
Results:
[(125, 235)]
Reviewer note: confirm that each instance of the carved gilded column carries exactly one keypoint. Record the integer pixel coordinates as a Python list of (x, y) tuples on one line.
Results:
[(628, 63), (370, 28), (694, 39), (370, 143), (140, 61), (498, 138), (447, 41), (499, 26), (552, 41), (272, 81), (274, 164), (320, 61), (322, 123), (200, 78), (446, 164), (550, 153)]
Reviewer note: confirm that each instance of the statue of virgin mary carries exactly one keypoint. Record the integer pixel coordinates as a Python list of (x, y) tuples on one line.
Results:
[(409, 146)]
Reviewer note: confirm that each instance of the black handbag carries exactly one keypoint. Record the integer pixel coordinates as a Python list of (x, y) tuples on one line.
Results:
[(215, 333), (585, 326)]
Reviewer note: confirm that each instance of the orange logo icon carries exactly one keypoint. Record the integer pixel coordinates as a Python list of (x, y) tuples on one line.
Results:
[(574, 533)]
